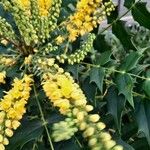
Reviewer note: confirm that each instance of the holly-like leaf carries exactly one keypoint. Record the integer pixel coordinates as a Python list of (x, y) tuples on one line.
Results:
[(141, 14), (125, 86), (103, 58), (97, 76), (119, 30), (142, 112), (115, 105), (130, 61), (89, 89)]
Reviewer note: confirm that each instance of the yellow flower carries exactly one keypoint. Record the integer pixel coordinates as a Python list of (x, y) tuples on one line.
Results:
[(65, 85), (2, 77), (12, 106), (60, 39), (63, 104), (44, 6)]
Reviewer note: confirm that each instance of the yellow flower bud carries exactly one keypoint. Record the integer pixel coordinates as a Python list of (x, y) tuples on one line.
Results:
[(80, 102), (89, 108), (109, 144), (9, 132), (118, 147), (82, 126), (1, 138), (80, 116), (75, 111), (92, 141), (101, 125), (2, 115), (8, 123), (15, 124), (94, 118), (5, 141), (2, 147), (89, 131), (105, 136)]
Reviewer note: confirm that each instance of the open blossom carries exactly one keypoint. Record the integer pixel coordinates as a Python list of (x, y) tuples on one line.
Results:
[(12, 108), (44, 6), (88, 14), (63, 92)]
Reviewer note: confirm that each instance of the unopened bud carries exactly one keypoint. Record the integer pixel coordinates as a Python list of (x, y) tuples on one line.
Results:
[(94, 118), (9, 132)]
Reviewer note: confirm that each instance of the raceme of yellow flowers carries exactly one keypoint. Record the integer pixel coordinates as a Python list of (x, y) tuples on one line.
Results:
[(12, 108), (88, 14), (65, 94)]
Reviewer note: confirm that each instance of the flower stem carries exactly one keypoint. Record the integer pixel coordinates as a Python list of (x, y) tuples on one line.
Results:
[(43, 119)]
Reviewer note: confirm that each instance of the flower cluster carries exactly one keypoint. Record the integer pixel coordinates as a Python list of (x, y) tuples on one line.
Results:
[(65, 94), (35, 19), (7, 61), (6, 30), (62, 91), (80, 54), (44, 7), (88, 14), (12, 108), (2, 77)]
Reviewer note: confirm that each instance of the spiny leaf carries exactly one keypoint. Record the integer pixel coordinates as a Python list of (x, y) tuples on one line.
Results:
[(125, 86), (142, 113), (116, 104), (97, 76), (130, 61)]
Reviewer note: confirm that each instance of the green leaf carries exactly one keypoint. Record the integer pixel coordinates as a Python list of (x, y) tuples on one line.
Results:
[(141, 144), (29, 130), (129, 3), (142, 112), (89, 89), (103, 58), (125, 86), (71, 144), (97, 76), (119, 30), (130, 61), (115, 105), (146, 85), (141, 14)]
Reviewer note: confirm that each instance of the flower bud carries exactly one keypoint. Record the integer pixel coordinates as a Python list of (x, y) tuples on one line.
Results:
[(2, 147), (94, 118), (82, 126), (118, 147), (89, 108), (8, 123), (1, 138), (15, 124), (5, 141), (75, 111), (80, 116), (105, 136), (109, 144), (9, 132), (92, 141), (101, 125), (89, 131)]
